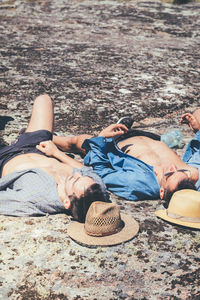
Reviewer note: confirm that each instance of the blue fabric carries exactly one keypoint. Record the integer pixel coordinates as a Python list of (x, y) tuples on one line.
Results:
[(124, 175), (192, 155)]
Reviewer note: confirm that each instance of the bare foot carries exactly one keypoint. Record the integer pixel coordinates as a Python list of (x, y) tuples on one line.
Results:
[(193, 120)]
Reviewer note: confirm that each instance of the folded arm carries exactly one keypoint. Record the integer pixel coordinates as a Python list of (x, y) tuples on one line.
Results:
[(50, 149)]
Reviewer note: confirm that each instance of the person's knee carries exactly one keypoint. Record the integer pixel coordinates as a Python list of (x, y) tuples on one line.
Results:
[(44, 97), (43, 100)]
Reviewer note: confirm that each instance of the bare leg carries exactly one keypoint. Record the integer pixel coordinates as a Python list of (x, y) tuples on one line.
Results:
[(42, 114), (42, 118), (71, 143), (193, 120)]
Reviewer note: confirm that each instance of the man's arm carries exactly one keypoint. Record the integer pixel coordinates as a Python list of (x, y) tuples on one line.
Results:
[(50, 149), (73, 144)]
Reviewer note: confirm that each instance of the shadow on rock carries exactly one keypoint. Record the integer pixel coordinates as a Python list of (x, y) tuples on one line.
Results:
[(4, 121)]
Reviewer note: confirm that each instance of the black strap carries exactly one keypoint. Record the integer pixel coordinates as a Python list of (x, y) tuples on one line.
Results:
[(137, 132)]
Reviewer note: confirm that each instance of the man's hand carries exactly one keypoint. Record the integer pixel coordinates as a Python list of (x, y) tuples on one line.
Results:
[(191, 120), (113, 130), (48, 147)]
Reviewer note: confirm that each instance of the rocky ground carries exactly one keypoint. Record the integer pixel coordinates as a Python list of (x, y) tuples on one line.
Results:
[(99, 60)]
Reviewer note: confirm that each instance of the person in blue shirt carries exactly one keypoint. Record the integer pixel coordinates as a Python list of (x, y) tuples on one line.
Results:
[(140, 167)]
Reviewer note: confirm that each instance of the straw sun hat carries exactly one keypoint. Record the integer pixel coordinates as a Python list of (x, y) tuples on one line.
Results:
[(104, 226), (183, 209)]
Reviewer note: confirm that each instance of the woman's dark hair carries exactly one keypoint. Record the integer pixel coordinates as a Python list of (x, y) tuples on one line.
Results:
[(80, 206), (184, 184)]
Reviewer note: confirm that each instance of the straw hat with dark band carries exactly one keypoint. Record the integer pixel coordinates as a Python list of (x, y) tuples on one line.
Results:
[(104, 226), (183, 209)]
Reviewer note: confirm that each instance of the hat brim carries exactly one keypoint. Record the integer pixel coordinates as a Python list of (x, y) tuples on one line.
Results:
[(77, 232), (162, 213)]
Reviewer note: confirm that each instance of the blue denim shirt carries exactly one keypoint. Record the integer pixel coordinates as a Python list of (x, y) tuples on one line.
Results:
[(192, 155), (124, 175)]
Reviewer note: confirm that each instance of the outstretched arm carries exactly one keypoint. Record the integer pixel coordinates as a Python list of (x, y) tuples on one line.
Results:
[(73, 143), (50, 149)]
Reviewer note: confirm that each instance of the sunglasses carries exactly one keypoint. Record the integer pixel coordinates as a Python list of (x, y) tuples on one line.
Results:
[(187, 172)]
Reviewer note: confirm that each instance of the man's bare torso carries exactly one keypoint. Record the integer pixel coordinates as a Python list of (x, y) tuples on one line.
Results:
[(33, 160), (152, 152)]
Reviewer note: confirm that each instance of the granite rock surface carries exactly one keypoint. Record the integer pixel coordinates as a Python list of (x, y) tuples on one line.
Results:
[(99, 60)]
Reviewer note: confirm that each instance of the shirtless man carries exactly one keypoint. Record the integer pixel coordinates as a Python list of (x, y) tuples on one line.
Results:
[(146, 168), (37, 178)]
